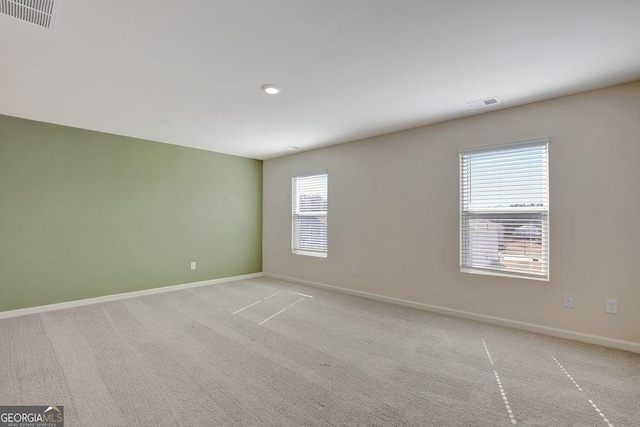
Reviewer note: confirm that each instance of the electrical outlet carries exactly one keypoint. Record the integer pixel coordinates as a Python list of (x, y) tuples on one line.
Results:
[(354, 270), (567, 300), (611, 306), (193, 265)]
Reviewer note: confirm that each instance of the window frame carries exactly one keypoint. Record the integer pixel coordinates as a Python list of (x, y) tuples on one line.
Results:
[(543, 211), (296, 214)]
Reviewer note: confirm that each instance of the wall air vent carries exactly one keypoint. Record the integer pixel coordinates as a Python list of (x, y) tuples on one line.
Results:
[(38, 12), (484, 102)]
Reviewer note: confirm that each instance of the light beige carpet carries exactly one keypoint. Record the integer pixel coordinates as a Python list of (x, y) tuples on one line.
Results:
[(184, 358)]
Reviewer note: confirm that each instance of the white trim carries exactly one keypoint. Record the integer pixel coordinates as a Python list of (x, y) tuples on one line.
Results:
[(492, 147), (498, 273), (465, 194), (295, 215), (311, 173), (118, 297), (309, 253), (555, 332)]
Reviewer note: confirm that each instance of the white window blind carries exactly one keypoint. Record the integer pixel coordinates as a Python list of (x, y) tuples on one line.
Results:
[(309, 214), (504, 209)]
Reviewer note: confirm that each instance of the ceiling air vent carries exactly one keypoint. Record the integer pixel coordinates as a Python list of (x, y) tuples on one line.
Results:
[(484, 102), (38, 12)]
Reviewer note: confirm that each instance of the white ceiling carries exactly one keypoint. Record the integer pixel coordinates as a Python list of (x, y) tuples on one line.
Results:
[(349, 69)]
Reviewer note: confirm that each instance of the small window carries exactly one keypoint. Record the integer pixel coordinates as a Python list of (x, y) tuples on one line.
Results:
[(504, 210), (309, 214)]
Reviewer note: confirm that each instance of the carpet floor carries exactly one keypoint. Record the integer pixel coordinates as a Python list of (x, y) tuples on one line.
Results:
[(263, 352)]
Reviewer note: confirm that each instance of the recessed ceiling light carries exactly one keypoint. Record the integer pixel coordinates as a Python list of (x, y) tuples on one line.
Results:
[(271, 89), (292, 148)]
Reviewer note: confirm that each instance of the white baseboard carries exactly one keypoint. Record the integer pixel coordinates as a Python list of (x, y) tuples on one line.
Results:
[(117, 297), (561, 333)]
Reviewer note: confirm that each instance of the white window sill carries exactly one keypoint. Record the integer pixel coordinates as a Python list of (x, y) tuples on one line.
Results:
[(501, 274), (309, 253)]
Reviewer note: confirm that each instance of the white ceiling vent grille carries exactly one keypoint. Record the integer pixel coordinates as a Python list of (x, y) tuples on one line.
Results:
[(484, 102), (38, 12)]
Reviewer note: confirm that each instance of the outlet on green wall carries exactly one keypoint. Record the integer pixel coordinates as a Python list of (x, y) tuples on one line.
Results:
[(86, 214)]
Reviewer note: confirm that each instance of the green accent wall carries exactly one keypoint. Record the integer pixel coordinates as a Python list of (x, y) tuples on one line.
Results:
[(85, 214)]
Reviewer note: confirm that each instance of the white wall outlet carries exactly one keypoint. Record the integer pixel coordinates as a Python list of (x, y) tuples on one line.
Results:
[(611, 306), (567, 300), (193, 265), (354, 270)]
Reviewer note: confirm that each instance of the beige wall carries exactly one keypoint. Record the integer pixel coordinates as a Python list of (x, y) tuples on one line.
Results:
[(394, 212)]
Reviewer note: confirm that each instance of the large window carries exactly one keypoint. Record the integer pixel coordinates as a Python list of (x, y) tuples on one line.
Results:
[(504, 209), (309, 214)]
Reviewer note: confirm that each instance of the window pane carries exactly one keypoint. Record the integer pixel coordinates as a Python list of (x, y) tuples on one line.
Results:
[(504, 202), (309, 215)]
